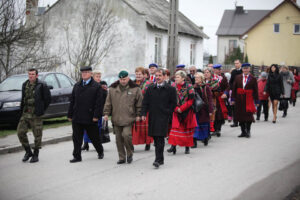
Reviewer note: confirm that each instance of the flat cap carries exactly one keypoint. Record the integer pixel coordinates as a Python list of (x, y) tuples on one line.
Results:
[(217, 66), (86, 68), (153, 65), (246, 65), (180, 66)]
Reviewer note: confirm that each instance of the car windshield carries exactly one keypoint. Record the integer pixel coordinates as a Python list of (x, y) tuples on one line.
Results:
[(13, 83)]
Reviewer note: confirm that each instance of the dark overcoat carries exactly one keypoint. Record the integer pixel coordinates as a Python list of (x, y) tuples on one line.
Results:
[(86, 102), (240, 99), (160, 103), (224, 87), (206, 95)]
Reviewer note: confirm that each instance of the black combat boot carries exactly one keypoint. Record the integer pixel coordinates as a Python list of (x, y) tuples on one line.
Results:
[(243, 129), (187, 150), (35, 157), (28, 154), (172, 149)]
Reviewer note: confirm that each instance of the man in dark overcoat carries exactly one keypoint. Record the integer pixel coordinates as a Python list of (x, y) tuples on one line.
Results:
[(86, 108), (245, 96), (160, 100)]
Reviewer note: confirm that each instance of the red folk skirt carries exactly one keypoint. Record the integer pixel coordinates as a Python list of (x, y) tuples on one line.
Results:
[(140, 133), (182, 133)]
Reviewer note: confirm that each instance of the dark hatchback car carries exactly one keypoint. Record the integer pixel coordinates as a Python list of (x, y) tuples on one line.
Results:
[(11, 91)]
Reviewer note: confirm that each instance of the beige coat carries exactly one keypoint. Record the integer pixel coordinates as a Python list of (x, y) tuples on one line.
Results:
[(123, 106)]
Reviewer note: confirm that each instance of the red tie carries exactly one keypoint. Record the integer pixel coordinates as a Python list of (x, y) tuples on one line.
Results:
[(151, 78), (246, 76)]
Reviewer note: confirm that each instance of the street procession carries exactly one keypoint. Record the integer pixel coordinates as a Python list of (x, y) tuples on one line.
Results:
[(149, 99)]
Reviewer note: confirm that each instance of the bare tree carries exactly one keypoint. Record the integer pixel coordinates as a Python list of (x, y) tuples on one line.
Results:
[(96, 37), (21, 45)]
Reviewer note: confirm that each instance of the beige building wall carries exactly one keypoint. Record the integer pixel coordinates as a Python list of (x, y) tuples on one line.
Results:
[(265, 47)]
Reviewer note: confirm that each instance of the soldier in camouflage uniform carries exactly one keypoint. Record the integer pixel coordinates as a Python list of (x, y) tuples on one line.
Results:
[(36, 98)]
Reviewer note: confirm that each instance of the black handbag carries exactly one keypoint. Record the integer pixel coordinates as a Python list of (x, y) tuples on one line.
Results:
[(104, 134), (283, 104), (198, 103)]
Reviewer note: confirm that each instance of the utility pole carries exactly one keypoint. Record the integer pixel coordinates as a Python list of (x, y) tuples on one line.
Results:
[(172, 59)]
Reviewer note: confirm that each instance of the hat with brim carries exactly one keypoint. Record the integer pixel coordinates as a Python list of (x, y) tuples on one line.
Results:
[(153, 65), (123, 74), (86, 68), (180, 66), (246, 65), (217, 66)]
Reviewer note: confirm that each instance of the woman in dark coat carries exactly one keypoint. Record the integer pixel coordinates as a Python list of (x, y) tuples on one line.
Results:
[(202, 131), (274, 88), (184, 119)]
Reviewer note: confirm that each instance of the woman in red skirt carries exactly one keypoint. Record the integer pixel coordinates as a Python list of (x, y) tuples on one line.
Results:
[(184, 119), (140, 128)]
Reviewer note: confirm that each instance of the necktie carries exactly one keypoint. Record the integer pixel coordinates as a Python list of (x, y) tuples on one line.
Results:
[(151, 77), (84, 83), (246, 76)]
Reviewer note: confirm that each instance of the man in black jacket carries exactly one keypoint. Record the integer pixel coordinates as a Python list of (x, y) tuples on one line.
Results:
[(234, 73), (36, 98), (160, 100), (86, 107)]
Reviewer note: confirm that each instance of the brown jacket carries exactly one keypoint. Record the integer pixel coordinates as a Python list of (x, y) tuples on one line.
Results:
[(123, 106)]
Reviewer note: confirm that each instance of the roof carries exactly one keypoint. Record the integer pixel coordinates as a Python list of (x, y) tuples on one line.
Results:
[(258, 22), (156, 13), (236, 24)]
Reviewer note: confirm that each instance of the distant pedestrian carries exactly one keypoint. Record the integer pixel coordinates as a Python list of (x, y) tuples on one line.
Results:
[(184, 119), (288, 81), (85, 110), (36, 98), (124, 104), (202, 131), (152, 69), (295, 88), (159, 102), (274, 88), (245, 97), (192, 73), (263, 97)]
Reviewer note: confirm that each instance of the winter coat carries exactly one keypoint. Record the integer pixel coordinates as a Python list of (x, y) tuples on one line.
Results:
[(160, 103), (42, 97), (206, 95), (124, 106), (240, 99), (288, 81), (86, 102), (261, 89), (274, 86), (296, 83)]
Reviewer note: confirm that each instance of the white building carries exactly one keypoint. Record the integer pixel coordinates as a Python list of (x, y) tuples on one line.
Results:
[(142, 34)]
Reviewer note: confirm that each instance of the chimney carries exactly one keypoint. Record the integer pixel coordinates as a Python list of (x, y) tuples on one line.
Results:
[(239, 9), (295, 1)]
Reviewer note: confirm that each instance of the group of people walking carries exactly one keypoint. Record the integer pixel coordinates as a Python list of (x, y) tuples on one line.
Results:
[(184, 108)]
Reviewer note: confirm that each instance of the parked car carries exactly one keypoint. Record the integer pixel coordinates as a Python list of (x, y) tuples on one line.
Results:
[(109, 79), (11, 93)]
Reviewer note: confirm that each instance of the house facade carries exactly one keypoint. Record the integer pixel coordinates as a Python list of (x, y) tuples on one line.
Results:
[(141, 34), (276, 37)]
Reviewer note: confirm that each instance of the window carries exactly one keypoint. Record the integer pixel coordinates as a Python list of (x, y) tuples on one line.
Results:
[(51, 80), (276, 28), (296, 28), (63, 80), (232, 45), (192, 54), (157, 50)]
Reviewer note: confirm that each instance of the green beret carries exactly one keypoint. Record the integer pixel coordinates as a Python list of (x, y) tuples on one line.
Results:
[(123, 74)]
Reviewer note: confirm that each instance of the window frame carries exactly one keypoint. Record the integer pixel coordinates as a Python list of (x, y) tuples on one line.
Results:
[(192, 53), (296, 33), (274, 27), (158, 49)]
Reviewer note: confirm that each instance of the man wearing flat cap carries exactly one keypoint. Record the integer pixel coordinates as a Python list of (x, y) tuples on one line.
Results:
[(123, 104), (85, 110), (245, 96), (152, 69)]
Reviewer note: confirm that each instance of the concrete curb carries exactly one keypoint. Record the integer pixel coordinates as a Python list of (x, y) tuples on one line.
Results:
[(17, 148)]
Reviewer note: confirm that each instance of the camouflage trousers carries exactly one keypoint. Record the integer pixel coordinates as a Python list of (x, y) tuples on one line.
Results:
[(36, 124)]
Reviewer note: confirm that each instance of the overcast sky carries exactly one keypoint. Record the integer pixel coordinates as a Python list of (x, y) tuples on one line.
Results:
[(208, 13)]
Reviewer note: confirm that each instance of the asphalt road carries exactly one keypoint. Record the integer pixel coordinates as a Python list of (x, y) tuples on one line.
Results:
[(228, 168)]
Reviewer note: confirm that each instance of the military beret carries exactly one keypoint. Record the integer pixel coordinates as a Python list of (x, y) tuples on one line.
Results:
[(180, 66), (86, 68), (123, 74), (217, 66), (153, 65), (246, 65)]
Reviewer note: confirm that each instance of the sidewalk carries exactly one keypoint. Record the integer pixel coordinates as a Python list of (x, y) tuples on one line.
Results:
[(10, 143)]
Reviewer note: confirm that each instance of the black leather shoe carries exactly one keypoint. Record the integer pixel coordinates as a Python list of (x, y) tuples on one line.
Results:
[(121, 162), (205, 141), (129, 159), (85, 146), (147, 147), (156, 165), (234, 125), (187, 150), (172, 149), (75, 160), (101, 156), (242, 135)]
